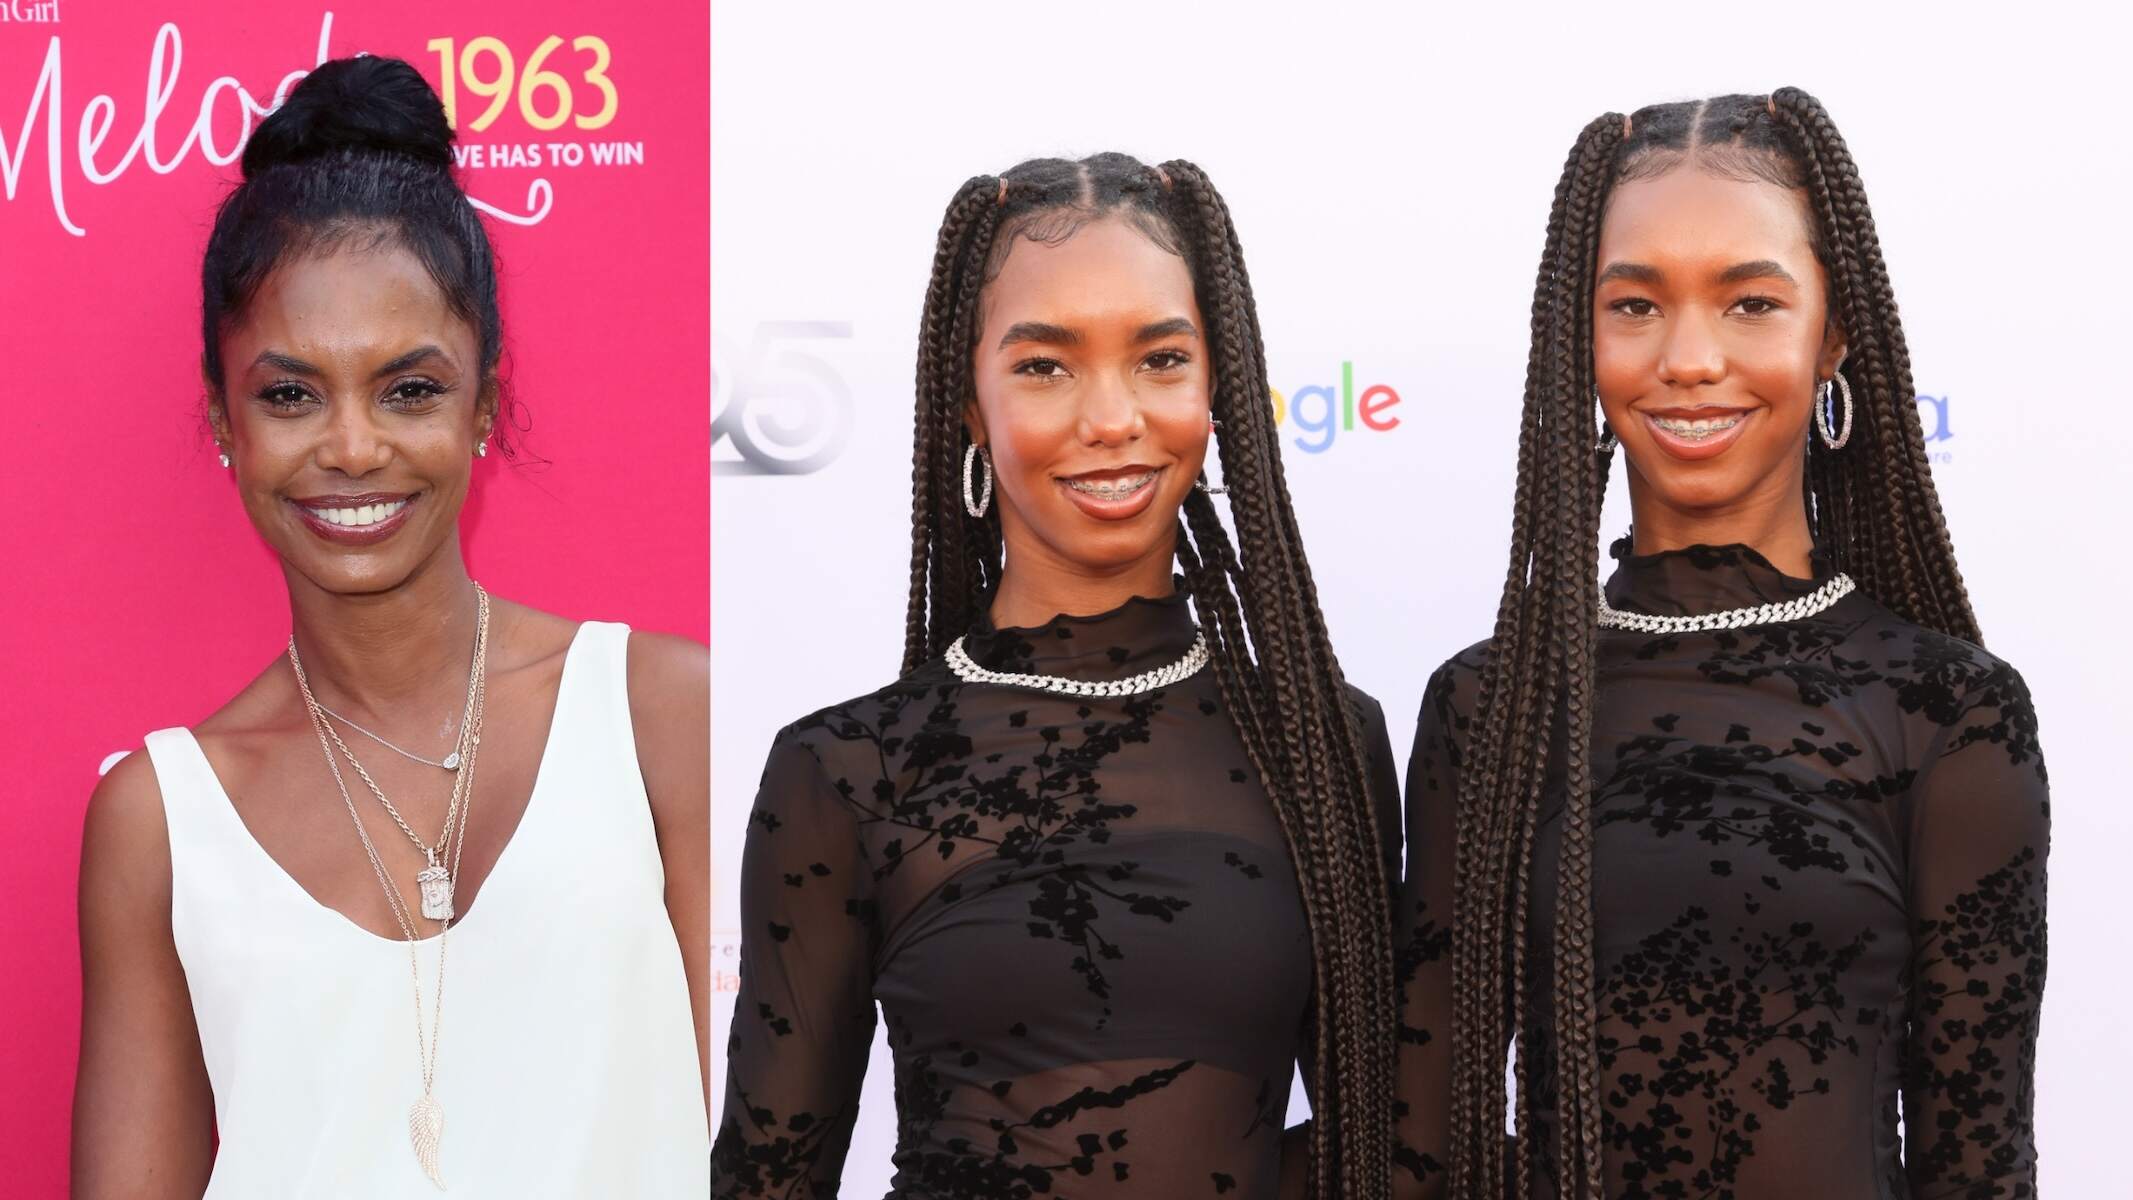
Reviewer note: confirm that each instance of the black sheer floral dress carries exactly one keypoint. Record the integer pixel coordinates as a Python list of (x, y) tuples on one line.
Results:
[(1818, 888), (1078, 915)]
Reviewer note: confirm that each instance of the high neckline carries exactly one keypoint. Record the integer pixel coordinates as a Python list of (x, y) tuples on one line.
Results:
[(1141, 634), (1699, 579)]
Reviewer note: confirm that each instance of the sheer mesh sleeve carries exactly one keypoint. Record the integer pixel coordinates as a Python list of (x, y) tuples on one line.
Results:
[(804, 1020), (1979, 830), (1423, 920)]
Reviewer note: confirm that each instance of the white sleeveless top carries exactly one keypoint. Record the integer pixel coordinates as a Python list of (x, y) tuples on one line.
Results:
[(567, 1062)]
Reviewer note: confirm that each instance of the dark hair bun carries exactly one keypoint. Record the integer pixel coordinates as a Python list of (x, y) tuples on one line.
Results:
[(366, 103)]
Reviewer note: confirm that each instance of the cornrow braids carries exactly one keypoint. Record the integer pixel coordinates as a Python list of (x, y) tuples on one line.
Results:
[(1872, 508), (1255, 598)]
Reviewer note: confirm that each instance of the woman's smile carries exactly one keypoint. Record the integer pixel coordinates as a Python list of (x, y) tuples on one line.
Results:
[(1697, 433), (1112, 494), (351, 519)]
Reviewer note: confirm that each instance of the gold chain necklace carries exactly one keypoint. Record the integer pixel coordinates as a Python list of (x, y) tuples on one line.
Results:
[(425, 1121), (434, 881)]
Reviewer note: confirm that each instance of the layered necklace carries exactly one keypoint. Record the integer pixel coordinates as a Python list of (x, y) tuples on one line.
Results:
[(434, 881), (425, 1121)]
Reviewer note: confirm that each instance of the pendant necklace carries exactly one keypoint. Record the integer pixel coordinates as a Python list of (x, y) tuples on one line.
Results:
[(434, 881), (425, 1119), (449, 762)]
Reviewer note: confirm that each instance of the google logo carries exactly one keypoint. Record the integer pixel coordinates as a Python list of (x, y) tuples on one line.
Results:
[(1322, 415)]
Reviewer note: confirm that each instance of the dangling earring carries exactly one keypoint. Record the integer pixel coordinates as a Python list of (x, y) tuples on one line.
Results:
[(225, 457), (976, 505), (481, 449), (1608, 441), (1833, 440)]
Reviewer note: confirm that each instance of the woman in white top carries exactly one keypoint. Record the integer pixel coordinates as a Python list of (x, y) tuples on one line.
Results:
[(267, 899)]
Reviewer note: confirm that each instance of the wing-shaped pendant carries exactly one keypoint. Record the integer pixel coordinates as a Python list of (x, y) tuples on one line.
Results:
[(425, 1124)]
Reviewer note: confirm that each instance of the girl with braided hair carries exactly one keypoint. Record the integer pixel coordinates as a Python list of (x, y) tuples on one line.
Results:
[(1748, 848), (1112, 855)]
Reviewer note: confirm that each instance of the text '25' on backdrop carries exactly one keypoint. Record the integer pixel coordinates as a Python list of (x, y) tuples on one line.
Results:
[(135, 594)]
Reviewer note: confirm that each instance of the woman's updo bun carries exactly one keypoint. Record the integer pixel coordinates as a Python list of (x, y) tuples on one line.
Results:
[(361, 148), (368, 103)]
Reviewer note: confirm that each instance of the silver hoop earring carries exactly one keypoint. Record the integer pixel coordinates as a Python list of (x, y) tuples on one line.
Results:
[(225, 457), (1834, 439), (976, 505), (1608, 441), (1202, 485)]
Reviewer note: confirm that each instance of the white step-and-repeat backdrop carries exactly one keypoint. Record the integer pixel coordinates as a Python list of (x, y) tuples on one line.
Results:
[(1390, 168)]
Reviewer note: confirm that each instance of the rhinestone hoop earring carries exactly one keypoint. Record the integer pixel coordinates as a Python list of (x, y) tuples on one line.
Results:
[(1834, 440), (976, 505), (1608, 441), (1204, 486)]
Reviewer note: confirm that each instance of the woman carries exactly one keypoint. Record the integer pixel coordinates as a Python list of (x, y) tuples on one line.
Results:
[(247, 885), (1106, 899), (1802, 874)]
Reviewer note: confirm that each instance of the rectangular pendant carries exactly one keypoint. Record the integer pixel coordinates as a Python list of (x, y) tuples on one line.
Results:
[(436, 885)]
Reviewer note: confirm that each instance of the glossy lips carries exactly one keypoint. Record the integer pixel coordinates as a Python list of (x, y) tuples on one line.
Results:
[(356, 520), (1116, 494)]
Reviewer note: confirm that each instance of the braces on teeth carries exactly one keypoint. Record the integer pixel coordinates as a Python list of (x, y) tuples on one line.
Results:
[(1696, 431), (1110, 489)]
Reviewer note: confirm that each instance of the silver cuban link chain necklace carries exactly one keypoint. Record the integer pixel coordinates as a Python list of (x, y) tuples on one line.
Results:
[(425, 1120), (968, 670), (1797, 609)]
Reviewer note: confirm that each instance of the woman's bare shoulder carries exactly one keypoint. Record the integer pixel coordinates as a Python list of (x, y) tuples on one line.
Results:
[(124, 837), (524, 636), (670, 706)]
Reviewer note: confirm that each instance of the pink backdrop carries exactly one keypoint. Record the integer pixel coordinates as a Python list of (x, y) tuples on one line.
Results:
[(133, 593)]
